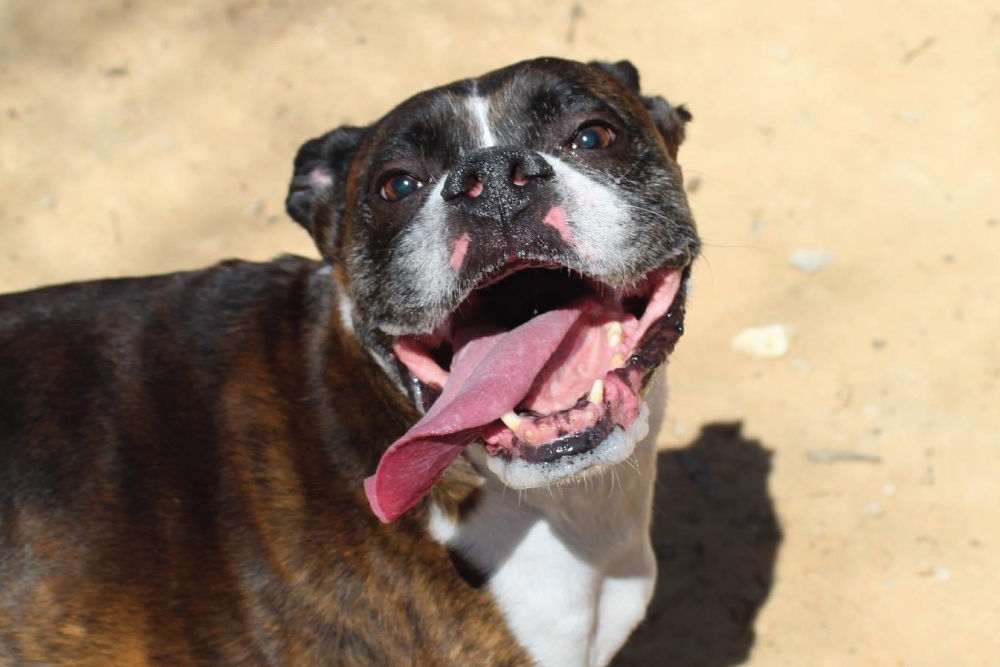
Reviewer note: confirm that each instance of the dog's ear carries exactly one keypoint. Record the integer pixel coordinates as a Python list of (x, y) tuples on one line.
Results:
[(316, 194), (623, 70), (669, 119)]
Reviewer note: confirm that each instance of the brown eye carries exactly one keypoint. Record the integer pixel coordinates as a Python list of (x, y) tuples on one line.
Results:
[(593, 136), (396, 186)]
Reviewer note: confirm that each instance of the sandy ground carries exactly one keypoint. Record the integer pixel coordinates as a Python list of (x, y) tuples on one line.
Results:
[(146, 137)]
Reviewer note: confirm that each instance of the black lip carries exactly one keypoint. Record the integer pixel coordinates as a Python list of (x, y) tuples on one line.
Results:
[(660, 339), (507, 269), (568, 444)]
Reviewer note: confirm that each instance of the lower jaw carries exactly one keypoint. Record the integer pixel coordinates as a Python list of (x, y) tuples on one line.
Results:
[(575, 429), (614, 448)]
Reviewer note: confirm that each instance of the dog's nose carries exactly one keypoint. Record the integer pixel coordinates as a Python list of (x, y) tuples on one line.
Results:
[(496, 183)]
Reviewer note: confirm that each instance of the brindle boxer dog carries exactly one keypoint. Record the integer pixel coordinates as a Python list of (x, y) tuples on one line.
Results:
[(426, 448)]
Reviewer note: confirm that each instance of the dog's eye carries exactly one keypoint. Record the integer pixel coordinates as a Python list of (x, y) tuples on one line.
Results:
[(594, 135), (398, 185)]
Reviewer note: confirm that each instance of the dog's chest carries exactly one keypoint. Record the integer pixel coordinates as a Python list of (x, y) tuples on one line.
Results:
[(571, 568)]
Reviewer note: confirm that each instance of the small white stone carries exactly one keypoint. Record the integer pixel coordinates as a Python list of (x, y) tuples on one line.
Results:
[(764, 342), (810, 260)]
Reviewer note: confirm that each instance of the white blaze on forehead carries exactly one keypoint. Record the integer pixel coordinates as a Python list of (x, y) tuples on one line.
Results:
[(479, 108)]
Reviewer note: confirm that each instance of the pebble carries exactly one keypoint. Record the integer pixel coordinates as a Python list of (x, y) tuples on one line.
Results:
[(823, 455), (256, 208), (764, 342), (810, 260)]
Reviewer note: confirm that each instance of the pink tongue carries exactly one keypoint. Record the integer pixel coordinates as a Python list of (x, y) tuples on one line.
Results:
[(489, 376)]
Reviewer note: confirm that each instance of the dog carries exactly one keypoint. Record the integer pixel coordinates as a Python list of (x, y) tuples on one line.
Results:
[(426, 448)]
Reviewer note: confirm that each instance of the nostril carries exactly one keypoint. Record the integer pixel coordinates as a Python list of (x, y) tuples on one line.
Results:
[(529, 166), (475, 189), (518, 178)]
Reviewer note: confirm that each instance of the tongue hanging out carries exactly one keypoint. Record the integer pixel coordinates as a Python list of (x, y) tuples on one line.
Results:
[(490, 375), (564, 370)]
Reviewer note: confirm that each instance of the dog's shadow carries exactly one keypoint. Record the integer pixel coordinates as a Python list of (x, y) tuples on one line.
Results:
[(716, 537)]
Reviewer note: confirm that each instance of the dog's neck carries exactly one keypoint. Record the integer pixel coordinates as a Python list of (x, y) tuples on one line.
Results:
[(570, 566)]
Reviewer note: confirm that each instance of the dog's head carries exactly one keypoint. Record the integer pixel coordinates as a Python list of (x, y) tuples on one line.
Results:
[(512, 249)]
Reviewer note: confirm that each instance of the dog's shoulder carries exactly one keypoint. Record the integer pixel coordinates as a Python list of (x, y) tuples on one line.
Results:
[(138, 379)]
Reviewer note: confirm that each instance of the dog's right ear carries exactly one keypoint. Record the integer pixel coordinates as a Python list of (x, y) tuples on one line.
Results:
[(670, 120), (316, 194)]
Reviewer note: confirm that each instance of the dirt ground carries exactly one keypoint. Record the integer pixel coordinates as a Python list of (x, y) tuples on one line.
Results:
[(835, 505)]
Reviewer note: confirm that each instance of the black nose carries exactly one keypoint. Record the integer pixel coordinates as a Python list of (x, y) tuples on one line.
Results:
[(496, 183)]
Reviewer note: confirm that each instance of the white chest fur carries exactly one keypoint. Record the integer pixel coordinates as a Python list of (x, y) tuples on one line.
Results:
[(570, 566)]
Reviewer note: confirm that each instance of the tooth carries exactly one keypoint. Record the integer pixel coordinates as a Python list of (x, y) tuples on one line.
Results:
[(596, 392), (615, 333), (618, 360), (511, 420)]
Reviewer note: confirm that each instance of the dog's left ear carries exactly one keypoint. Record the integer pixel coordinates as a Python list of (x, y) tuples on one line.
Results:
[(669, 119), (316, 194)]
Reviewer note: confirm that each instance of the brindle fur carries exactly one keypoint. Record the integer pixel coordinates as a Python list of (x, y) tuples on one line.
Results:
[(169, 492)]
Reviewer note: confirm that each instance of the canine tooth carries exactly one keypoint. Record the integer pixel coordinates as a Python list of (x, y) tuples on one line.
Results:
[(615, 333), (510, 420), (596, 394), (618, 360), (611, 392)]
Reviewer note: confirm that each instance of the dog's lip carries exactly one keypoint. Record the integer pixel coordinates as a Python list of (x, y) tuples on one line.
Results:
[(511, 266)]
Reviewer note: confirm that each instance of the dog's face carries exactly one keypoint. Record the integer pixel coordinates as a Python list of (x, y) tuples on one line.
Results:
[(483, 209)]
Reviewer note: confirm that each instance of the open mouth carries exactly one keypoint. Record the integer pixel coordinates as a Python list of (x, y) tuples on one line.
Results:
[(592, 381), (540, 364)]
